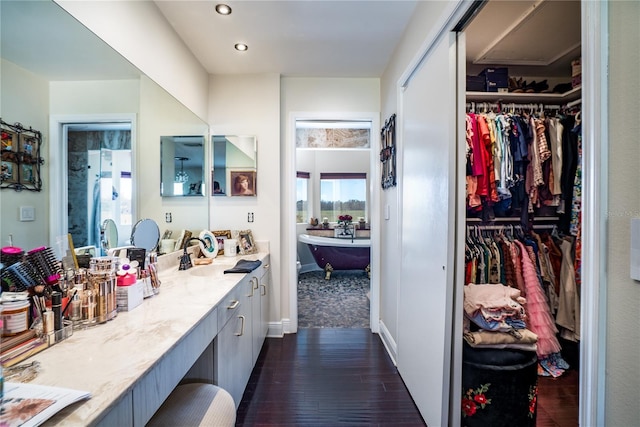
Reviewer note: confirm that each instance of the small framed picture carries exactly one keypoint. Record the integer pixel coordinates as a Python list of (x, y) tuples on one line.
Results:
[(183, 239), (9, 172), (28, 146), (27, 174), (243, 182), (245, 242), (8, 140), (221, 236)]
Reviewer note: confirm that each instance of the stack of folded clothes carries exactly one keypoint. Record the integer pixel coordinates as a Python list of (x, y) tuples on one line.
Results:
[(495, 317)]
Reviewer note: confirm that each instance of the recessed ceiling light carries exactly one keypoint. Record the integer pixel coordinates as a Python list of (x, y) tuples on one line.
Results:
[(223, 9), (241, 47)]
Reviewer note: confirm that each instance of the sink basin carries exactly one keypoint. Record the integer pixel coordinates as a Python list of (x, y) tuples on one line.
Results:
[(206, 271)]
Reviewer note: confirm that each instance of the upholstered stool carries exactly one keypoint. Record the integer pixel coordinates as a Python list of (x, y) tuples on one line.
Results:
[(196, 404)]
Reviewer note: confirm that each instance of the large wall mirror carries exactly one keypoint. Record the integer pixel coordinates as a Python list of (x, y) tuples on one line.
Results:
[(60, 73), (234, 165), (182, 166)]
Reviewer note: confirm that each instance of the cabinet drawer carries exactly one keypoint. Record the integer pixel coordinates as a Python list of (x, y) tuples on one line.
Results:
[(230, 305)]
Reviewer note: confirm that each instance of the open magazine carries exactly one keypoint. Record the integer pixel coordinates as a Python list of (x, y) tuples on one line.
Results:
[(31, 404)]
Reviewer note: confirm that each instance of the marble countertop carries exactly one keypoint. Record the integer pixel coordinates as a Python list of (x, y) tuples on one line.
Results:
[(107, 360)]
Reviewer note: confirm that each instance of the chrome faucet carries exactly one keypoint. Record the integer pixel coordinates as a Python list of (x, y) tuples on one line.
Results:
[(185, 258)]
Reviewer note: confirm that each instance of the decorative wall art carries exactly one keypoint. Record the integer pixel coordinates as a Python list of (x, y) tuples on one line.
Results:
[(20, 157), (388, 153), (243, 182)]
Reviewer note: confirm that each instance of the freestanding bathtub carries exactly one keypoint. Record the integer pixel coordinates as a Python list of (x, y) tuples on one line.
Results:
[(338, 254)]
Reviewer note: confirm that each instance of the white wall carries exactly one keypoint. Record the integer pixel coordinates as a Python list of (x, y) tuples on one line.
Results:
[(95, 97), (423, 20), (140, 33), (25, 99), (623, 294), (249, 105)]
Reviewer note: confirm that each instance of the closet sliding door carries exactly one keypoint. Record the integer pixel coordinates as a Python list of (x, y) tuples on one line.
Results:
[(426, 301)]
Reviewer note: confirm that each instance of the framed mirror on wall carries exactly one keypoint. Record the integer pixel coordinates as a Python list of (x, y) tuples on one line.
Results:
[(182, 166), (234, 165)]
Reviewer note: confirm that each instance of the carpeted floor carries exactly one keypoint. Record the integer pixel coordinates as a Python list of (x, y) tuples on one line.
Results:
[(341, 302)]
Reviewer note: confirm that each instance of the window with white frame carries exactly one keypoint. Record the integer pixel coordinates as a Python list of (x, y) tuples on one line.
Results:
[(302, 197), (343, 194)]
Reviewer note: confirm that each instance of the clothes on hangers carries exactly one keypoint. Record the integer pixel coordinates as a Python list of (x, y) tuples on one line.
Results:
[(523, 263), (522, 164)]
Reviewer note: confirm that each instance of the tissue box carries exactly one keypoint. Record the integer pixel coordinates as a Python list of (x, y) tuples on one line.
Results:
[(129, 297)]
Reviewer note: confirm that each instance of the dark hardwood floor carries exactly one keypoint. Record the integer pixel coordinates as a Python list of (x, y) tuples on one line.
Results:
[(558, 400), (326, 377), (329, 377)]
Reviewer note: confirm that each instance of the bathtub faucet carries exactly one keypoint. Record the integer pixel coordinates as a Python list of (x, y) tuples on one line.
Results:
[(349, 231), (185, 258)]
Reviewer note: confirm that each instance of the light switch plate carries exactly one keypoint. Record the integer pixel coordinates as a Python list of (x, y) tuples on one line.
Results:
[(27, 213)]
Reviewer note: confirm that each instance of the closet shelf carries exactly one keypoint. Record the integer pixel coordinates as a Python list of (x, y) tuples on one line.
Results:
[(506, 97)]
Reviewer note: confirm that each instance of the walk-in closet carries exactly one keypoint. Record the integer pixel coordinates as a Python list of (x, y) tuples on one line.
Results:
[(523, 214)]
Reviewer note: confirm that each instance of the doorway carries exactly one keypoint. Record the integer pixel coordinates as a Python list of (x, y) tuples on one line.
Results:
[(92, 179), (591, 405), (546, 74), (338, 166), (99, 182)]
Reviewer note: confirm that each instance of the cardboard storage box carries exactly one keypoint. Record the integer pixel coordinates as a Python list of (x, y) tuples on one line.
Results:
[(496, 79), (476, 84)]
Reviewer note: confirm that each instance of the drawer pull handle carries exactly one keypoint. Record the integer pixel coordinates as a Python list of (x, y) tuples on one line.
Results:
[(266, 266), (241, 333), (234, 304), (255, 282), (263, 292), (252, 289)]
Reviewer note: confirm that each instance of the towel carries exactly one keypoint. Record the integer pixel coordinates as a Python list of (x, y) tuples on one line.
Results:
[(244, 266)]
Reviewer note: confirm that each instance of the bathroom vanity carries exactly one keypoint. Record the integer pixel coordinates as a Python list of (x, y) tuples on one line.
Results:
[(203, 326)]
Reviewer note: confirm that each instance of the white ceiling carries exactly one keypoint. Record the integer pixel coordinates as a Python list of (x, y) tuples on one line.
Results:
[(319, 38), (531, 37)]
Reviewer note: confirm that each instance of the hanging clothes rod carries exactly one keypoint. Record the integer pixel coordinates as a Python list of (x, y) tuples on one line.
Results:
[(516, 219), (508, 227), (574, 103), (510, 106)]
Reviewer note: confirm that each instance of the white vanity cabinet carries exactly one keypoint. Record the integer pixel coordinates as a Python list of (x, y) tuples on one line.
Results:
[(233, 345), (260, 306), (243, 321), (200, 327)]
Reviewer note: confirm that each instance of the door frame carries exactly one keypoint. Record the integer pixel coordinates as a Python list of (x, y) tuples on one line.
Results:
[(58, 165), (374, 212)]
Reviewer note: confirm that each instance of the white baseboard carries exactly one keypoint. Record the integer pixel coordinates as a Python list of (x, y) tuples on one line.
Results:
[(275, 330), (389, 343)]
